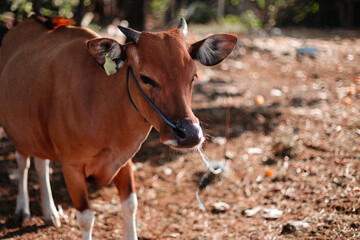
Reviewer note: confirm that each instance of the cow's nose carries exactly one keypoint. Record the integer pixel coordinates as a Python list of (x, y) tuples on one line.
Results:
[(188, 134)]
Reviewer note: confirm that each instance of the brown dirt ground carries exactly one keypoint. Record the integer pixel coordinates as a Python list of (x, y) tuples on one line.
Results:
[(308, 166)]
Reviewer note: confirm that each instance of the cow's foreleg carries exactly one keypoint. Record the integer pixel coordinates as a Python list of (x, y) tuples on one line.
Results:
[(124, 182), (76, 185), (22, 201), (51, 215)]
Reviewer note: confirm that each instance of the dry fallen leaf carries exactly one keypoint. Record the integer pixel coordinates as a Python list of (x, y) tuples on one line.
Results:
[(357, 79), (259, 100), (350, 91), (268, 173), (347, 101), (272, 213)]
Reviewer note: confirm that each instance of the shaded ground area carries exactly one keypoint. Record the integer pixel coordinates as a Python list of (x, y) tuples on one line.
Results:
[(296, 153)]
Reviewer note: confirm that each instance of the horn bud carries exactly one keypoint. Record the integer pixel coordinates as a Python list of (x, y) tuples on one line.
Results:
[(131, 34), (183, 27)]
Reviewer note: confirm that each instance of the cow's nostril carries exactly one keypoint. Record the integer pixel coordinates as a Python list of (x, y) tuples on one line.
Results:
[(187, 134), (179, 133)]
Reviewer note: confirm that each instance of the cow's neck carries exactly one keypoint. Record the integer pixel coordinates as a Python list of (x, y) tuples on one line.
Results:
[(126, 130), (132, 127)]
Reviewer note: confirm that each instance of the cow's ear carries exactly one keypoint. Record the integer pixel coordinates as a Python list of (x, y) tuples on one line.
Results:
[(108, 53), (212, 50)]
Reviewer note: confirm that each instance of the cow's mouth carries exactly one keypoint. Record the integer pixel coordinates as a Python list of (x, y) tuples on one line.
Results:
[(174, 145)]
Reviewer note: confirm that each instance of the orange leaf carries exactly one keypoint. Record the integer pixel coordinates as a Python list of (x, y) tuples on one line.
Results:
[(350, 91), (347, 101), (259, 100)]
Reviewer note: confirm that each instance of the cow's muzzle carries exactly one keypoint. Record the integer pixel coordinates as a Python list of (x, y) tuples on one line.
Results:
[(187, 135)]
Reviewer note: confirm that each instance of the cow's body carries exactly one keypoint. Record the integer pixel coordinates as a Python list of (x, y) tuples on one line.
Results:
[(57, 103), (62, 104)]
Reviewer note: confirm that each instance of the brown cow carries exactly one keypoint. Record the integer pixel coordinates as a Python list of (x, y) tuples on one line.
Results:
[(57, 103)]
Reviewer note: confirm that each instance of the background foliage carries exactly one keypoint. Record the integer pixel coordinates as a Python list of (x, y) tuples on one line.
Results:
[(247, 14)]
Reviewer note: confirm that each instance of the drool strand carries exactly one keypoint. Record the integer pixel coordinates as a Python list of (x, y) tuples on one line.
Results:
[(212, 168)]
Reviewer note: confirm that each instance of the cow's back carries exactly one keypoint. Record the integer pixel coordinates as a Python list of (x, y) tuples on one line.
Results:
[(29, 57)]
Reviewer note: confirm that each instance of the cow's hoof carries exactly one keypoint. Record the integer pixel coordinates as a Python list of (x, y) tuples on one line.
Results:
[(53, 221), (22, 216)]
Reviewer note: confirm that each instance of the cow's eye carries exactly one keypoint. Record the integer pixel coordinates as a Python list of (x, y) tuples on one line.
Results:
[(149, 81), (193, 79)]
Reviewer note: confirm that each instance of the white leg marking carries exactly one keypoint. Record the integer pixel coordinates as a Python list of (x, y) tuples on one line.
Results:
[(51, 215), (22, 200), (86, 222), (129, 207)]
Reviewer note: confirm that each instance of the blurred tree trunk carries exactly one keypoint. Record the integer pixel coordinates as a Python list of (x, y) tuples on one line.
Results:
[(134, 12), (221, 8), (36, 5), (170, 11), (349, 14), (345, 13), (79, 13)]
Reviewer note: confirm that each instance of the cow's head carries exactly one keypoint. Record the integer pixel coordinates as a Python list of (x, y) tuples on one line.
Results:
[(164, 65)]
